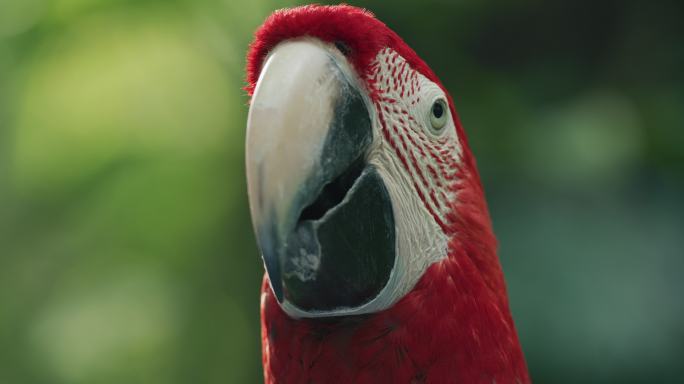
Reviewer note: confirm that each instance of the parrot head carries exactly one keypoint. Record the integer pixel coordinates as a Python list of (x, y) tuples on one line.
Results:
[(359, 173), (369, 213)]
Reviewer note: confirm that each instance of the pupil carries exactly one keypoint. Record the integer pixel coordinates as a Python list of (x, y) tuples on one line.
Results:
[(437, 110)]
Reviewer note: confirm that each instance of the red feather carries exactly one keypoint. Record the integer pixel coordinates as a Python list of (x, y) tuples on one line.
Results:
[(455, 326)]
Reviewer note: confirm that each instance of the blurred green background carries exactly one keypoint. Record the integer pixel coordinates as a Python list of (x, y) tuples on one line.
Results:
[(126, 250)]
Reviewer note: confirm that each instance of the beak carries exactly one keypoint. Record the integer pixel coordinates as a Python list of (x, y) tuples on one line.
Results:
[(322, 216)]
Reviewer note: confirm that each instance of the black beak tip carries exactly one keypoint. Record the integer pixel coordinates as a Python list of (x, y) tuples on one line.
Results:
[(276, 282), (267, 242)]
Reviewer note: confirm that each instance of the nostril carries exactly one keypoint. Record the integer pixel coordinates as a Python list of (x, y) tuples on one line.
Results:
[(342, 47)]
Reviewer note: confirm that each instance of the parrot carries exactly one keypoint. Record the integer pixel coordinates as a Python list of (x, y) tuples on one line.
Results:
[(368, 210)]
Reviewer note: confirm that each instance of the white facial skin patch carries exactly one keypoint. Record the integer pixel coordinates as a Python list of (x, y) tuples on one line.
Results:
[(417, 165)]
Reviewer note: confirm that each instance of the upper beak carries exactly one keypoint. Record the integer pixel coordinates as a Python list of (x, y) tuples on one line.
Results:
[(308, 133)]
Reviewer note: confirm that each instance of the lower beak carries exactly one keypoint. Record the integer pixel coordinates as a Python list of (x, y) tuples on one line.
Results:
[(322, 215)]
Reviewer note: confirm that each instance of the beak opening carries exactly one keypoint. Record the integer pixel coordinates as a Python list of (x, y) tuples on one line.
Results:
[(322, 215)]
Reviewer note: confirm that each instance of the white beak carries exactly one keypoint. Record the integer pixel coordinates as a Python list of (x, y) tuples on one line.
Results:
[(288, 123), (322, 216)]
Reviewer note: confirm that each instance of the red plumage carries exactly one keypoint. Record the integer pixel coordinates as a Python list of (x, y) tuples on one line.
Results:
[(455, 325)]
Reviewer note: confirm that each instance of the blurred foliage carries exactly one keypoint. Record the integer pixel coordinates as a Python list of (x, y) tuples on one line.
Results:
[(126, 252)]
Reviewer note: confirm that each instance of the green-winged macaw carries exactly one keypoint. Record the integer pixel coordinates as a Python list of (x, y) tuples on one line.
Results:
[(369, 213)]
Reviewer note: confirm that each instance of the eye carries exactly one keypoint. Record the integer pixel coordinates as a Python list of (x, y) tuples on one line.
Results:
[(438, 115)]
